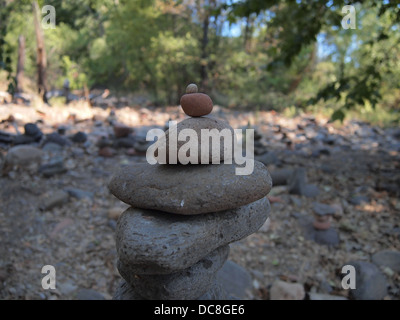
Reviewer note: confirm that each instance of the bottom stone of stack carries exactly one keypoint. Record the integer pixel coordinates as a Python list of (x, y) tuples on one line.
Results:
[(126, 292), (190, 283)]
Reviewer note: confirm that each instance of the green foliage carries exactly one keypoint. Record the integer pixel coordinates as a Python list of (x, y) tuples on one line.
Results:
[(272, 61)]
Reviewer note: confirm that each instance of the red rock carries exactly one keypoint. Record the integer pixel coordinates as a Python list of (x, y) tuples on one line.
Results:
[(121, 130), (106, 152), (131, 152), (322, 225), (196, 104)]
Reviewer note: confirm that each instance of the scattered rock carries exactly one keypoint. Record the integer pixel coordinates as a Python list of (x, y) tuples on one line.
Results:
[(297, 184), (89, 294), (58, 198), (328, 237), (357, 200), (23, 139), (53, 167), (387, 258), (322, 209), (160, 187), (121, 130), (78, 193), (322, 225), (52, 147), (23, 156), (281, 177), (323, 296), (66, 288), (281, 290), (107, 152), (79, 137), (268, 158), (234, 279), (33, 131), (125, 142), (370, 282), (58, 139)]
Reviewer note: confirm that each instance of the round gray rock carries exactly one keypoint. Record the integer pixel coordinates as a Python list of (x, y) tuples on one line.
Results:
[(215, 152), (370, 282), (187, 284), (153, 242), (23, 155), (387, 258), (190, 190)]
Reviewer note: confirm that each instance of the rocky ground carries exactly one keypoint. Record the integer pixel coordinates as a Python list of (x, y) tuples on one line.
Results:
[(56, 208)]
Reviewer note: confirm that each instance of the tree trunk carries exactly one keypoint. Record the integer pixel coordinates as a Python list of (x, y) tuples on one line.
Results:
[(20, 65), (204, 54), (41, 59)]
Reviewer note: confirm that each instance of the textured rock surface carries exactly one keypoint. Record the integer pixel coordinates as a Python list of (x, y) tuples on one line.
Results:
[(149, 247), (197, 124), (190, 189), (189, 283), (126, 292)]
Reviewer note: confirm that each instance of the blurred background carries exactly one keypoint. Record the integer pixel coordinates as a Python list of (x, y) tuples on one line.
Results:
[(264, 55)]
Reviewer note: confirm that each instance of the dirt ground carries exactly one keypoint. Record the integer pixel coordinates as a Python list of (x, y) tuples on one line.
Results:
[(77, 238)]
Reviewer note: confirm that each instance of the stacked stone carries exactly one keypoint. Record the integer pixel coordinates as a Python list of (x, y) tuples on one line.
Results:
[(175, 236)]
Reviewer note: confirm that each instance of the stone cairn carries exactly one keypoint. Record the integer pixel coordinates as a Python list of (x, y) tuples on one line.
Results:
[(175, 236)]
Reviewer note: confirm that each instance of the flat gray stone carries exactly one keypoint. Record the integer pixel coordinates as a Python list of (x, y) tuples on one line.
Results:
[(206, 188), (187, 284), (57, 198), (323, 209), (23, 156), (153, 242), (387, 258), (197, 124), (125, 291), (235, 279), (371, 284)]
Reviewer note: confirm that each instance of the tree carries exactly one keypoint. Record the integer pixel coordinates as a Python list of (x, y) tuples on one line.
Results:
[(41, 58), (21, 64), (296, 25)]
